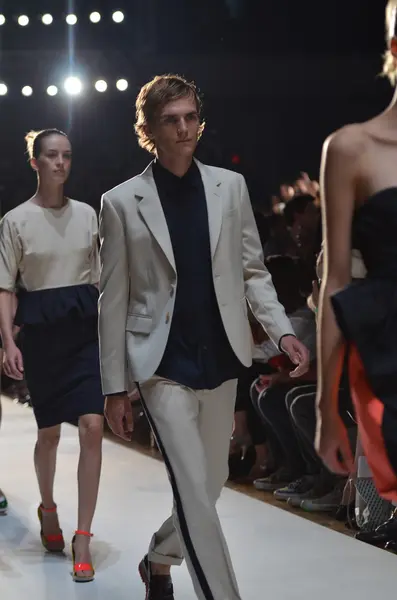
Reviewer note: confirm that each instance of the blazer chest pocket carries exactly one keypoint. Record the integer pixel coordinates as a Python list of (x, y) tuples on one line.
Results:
[(139, 324)]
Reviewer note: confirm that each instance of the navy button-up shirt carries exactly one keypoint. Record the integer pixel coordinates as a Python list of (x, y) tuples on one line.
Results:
[(198, 353)]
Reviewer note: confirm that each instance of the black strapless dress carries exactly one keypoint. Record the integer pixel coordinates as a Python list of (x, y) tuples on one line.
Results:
[(366, 312)]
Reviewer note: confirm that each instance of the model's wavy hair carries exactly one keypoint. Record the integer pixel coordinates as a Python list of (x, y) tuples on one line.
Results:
[(389, 64), (33, 140), (154, 96)]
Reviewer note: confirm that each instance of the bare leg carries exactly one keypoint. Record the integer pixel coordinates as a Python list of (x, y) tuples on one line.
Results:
[(45, 456), (89, 471)]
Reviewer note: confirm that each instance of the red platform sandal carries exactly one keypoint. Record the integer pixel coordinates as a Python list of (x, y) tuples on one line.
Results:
[(79, 568), (52, 543)]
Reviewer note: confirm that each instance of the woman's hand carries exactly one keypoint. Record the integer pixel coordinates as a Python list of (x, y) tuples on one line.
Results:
[(13, 362), (332, 443)]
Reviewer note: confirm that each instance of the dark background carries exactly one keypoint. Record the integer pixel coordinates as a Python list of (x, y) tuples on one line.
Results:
[(277, 76)]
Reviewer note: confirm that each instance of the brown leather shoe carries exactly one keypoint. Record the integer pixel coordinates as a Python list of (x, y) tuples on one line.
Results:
[(158, 587)]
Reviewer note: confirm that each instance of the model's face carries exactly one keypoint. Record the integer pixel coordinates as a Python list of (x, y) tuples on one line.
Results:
[(176, 129), (55, 159)]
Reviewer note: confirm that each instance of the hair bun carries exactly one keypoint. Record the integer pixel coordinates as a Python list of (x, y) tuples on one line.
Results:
[(29, 139)]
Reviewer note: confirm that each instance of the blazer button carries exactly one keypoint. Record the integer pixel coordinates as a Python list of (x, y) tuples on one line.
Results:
[(167, 318)]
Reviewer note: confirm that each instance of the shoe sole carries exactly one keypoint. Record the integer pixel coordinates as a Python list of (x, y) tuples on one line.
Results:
[(82, 579), (145, 577)]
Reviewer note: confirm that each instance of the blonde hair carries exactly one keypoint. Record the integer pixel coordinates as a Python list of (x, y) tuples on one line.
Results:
[(389, 64), (153, 96), (33, 140)]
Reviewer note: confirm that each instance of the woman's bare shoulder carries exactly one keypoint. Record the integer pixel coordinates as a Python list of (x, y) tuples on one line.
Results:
[(347, 142)]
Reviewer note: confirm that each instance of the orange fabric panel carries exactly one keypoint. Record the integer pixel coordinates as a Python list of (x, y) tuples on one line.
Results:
[(369, 413)]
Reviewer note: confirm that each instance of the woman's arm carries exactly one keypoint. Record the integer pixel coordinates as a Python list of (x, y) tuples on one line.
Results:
[(339, 176), (338, 187), (339, 179), (8, 306), (10, 258)]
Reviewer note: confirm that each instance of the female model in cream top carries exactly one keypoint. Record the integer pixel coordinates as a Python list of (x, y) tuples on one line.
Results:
[(50, 244)]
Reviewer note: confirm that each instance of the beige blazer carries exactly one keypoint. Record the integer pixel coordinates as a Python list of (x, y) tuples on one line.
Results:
[(139, 279)]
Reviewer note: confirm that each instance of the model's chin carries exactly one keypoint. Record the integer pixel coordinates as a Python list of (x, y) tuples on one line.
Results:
[(186, 148), (60, 179)]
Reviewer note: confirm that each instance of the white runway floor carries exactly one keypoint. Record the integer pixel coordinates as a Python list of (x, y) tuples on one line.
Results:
[(276, 554)]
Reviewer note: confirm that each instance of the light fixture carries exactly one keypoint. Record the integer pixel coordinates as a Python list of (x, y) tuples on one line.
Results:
[(73, 86), (118, 16), (71, 19), (122, 85), (23, 20), (2, 19), (27, 90), (101, 86), (47, 19), (95, 17), (3, 89), (52, 90)]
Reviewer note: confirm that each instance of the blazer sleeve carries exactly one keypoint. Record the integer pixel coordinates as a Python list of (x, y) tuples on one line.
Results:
[(113, 300), (259, 289)]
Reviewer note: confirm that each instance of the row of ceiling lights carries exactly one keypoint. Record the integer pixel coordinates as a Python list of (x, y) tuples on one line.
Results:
[(72, 86), (71, 19)]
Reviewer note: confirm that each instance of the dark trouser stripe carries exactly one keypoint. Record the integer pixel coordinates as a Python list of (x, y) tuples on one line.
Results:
[(179, 507)]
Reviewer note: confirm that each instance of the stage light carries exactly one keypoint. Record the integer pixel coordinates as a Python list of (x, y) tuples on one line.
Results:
[(47, 19), (27, 90), (2, 19), (73, 86), (101, 86), (52, 90), (23, 20), (122, 85), (95, 17), (71, 19), (118, 16), (3, 89)]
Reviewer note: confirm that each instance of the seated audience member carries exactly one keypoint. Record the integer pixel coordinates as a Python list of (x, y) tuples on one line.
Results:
[(249, 429), (249, 448), (318, 489), (288, 408), (279, 242)]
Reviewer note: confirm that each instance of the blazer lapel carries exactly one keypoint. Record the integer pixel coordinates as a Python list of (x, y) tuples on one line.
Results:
[(149, 206), (212, 188)]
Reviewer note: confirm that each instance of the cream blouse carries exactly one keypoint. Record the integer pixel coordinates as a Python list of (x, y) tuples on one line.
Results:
[(49, 248)]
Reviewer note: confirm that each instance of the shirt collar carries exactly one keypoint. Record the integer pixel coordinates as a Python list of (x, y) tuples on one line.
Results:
[(165, 178)]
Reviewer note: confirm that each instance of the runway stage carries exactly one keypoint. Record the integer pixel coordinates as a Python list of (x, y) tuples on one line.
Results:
[(276, 554)]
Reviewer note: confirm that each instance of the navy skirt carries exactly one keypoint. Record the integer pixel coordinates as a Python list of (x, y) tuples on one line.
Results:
[(59, 343)]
